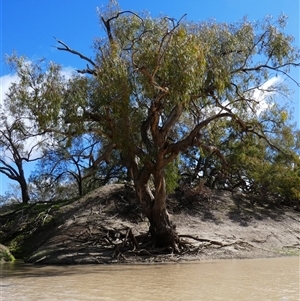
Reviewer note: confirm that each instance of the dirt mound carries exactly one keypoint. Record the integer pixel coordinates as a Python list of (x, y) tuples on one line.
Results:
[(107, 226)]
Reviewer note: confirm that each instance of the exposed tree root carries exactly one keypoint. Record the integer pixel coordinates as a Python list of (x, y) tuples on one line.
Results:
[(124, 244), (216, 242)]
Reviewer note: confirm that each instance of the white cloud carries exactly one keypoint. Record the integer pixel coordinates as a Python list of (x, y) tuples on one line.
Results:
[(262, 94), (67, 72), (260, 98), (5, 83)]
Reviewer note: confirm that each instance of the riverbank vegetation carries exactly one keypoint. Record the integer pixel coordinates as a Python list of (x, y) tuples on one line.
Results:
[(165, 105)]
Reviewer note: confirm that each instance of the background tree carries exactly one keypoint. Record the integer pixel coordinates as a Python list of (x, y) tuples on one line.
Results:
[(18, 145), (75, 162), (157, 87)]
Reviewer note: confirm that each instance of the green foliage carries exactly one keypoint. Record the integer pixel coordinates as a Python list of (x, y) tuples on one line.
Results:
[(39, 91), (159, 87), (172, 176), (260, 169)]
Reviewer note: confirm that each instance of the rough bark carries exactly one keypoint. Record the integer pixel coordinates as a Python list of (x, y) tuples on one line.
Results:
[(162, 231)]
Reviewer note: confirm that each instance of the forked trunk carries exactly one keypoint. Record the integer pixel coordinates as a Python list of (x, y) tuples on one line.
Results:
[(154, 207)]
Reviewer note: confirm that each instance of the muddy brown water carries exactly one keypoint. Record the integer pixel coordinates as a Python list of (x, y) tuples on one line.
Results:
[(254, 279)]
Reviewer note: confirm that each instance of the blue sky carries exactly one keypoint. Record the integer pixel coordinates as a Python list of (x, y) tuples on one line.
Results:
[(28, 26)]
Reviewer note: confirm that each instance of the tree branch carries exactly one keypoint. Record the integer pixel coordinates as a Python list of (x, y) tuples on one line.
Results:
[(173, 117), (107, 22), (68, 49), (276, 68), (175, 148), (8, 170)]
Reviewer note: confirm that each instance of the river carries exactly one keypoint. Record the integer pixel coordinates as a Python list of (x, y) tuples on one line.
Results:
[(254, 279)]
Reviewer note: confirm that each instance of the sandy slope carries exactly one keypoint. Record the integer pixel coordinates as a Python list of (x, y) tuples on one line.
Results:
[(98, 228)]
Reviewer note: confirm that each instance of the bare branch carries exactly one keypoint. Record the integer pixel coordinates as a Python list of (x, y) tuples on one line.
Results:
[(68, 49), (276, 68), (107, 22), (88, 70), (8, 170)]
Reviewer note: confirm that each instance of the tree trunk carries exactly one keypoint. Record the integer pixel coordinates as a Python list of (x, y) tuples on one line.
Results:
[(23, 184), (24, 191), (154, 207), (161, 227)]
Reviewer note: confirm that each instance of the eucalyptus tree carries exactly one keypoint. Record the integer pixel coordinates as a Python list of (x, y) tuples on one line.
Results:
[(21, 140), (18, 146), (156, 87)]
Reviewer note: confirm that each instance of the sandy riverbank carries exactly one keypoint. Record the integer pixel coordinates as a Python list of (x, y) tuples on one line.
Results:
[(101, 227)]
